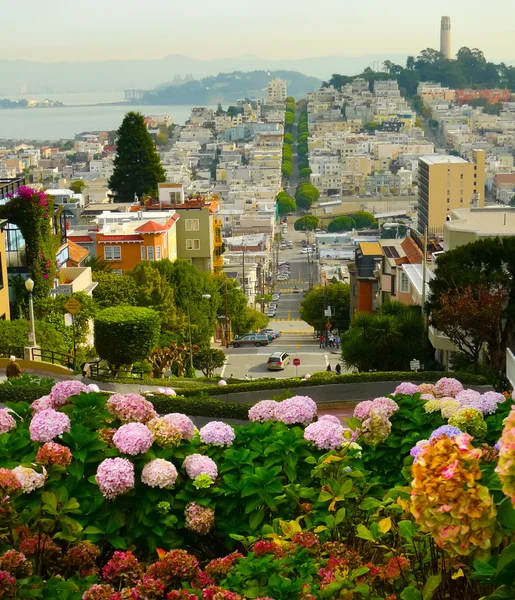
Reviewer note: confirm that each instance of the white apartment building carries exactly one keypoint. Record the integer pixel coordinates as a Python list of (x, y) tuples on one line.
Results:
[(277, 90)]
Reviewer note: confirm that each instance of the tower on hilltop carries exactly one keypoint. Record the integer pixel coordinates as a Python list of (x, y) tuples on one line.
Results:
[(445, 37)]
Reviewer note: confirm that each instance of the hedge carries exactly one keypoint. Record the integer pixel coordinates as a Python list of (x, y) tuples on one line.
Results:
[(200, 407), (23, 393), (321, 378)]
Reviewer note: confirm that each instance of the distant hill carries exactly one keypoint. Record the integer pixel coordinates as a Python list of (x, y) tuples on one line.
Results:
[(227, 88)]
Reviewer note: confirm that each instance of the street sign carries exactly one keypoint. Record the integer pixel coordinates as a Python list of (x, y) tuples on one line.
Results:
[(72, 306), (328, 325), (296, 361), (415, 365)]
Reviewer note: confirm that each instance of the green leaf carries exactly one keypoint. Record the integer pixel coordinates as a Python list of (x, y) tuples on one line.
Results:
[(256, 518), (506, 514), (358, 573), (506, 566), (482, 570), (431, 586), (50, 499), (370, 504), (92, 530), (340, 516), (364, 533), (411, 593), (406, 529), (117, 541)]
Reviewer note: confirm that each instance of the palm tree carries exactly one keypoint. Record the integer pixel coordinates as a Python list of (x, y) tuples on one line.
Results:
[(98, 265)]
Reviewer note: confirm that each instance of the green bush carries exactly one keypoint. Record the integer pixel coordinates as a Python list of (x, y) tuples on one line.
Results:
[(200, 407), (126, 334), (24, 391)]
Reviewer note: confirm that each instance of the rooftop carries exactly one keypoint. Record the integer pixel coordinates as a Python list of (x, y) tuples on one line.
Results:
[(488, 221), (443, 159), (370, 248)]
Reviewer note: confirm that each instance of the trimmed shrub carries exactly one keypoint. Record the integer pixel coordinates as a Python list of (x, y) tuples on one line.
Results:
[(126, 334), (199, 407)]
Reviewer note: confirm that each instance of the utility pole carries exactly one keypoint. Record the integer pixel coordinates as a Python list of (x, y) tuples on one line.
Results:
[(226, 318), (243, 275), (325, 308)]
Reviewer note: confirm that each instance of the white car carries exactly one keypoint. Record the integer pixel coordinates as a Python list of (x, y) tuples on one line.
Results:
[(306, 250)]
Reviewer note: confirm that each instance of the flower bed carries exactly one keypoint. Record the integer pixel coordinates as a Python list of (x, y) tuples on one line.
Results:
[(104, 500)]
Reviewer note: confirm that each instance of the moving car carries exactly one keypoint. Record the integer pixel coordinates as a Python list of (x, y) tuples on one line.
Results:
[(278, 361), (268, 331), (276, 297), (251, 339), (271, 312), (296, 290), (306, 250), (290, 245)]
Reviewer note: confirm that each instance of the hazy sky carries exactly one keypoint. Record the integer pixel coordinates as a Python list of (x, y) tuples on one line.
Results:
[(104, 29)]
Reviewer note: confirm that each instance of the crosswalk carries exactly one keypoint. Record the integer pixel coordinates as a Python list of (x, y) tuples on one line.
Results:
[(287, 319), (296, 332)]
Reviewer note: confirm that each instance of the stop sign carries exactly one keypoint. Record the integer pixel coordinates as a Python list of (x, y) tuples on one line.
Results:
[(296, 361)]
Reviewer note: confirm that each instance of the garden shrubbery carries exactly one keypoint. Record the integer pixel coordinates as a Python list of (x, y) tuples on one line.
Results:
[(102, 499)]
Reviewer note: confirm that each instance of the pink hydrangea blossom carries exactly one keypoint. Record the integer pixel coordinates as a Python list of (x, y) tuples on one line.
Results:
[(197, 464), (426, 388), (133, 438), (217, 434), (447, 386), (30, 479), (130, 407), (93, 388), (331, 419), (325, 434), (115, 476), (62, 390), (159, 473), (7, 422), (263, 411), (199, 519), (183, 423), (383, 405), (299, 409), (467, 397), (407, 388), (222, 382), (48, 424), (362, 409), (427, 397), (54, 454), (42, 404)]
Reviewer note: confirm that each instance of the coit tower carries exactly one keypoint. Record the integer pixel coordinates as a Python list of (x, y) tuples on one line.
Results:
[(445, 37)]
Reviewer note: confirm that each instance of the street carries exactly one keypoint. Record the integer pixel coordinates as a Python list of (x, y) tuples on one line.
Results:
[(297, 337)]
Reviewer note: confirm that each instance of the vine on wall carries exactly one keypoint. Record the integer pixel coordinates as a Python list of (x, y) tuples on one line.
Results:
[(33, 213)]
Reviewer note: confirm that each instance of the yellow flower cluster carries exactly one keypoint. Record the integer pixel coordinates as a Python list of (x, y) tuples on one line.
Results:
[(506, 467), (447, 500)]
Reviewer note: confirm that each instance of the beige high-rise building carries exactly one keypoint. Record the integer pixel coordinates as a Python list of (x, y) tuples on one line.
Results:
[(277, 90), (445, 37), (446, 183)]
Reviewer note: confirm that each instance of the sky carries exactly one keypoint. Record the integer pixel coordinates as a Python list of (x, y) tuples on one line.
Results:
[(205, 29)]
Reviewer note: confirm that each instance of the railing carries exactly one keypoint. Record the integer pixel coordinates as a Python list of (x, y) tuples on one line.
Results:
[(96, 370), (37, 354), (7, 351)]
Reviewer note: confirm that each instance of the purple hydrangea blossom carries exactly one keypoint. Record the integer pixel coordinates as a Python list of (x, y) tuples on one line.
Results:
[(325, 434), (417, 448), (299, 409), (447, 430), (331, 419), (263, 411), (217, 434)]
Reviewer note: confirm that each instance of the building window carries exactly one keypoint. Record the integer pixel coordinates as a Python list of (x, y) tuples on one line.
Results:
[(150, 252), (142, 252), (113, 253), (158, 252), (192, 225), (118, 272), (192, 244), (404, 283)]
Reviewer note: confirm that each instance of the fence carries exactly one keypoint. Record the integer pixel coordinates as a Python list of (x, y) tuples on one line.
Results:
[(96, 370), (38, 354)]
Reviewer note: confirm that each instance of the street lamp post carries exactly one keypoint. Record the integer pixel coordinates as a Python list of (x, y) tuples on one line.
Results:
[(29, 285)]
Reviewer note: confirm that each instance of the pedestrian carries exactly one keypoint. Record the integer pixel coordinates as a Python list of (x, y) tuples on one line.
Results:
[(337, 339), (329, 370), (13, 369), (331, 340), (338, 369), (321, 339)]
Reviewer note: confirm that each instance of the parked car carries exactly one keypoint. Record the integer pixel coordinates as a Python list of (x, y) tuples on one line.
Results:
[(271, 312), (296, 290), (290, 245), (278, 361), (306, 250), (276, 297), (267, 331), (251, 339)]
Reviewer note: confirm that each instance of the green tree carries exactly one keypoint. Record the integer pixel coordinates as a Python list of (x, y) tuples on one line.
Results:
[(126, 334), (288, 138), (285, 203), (287, 169), (306, 223), (489, 264), (248, 320), (77, 186), (208, 359), (137, 166), (384, 341), (305, 173), (512, 201), (15, 334), (114, 290), (364, 220), (161, 139), (335, 295), (306, 194), (341, 224)]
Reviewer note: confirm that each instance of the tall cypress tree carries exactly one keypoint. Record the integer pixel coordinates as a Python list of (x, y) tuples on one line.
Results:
[(137, 166)]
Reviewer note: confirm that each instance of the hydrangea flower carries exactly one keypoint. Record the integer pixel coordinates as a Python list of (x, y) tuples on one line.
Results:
[(447, 430), (202, 482), (432, 406), (99, 591), (325, 434), (166, 391), (159, 473), (199, 519), (383, 405), (133, 438), (62, 390), (93, 388), (447, 500), (30, 479), (407, 388), (469, 420), (54, 454), (299, 409), (48, 424), (222, 382), (448, 407), (417, 448), (122, 568), (217, 433), (197, 464), (376, 428), (331, 419), (7, 422), (362, 409), (447, 386), (130, 407), (426, 388), (9, 483), (42, 404), (506, 467), (263, 411), (174, 565), (115, 476), (347, 445), (165, 434), (427, 397), (468, 397), (16, 563), (183, 423)]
